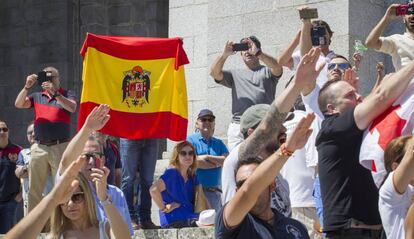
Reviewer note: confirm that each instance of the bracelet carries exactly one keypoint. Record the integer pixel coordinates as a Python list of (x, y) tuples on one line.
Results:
[(258, 53), (56, 94), (26, 88), (283, 151)]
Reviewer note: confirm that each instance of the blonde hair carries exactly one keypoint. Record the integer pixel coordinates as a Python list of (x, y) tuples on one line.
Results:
[(176, 153), (59, 223)]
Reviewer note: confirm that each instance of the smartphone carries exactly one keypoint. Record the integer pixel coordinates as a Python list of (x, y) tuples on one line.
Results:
[(402, 9), (318, 34), (97, 162), (240, 47), (41, 77), (308, 13)]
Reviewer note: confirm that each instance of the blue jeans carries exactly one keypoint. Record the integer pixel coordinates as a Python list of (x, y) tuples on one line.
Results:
[(138, 156), (317, 196), (7, 215), (214, 198)]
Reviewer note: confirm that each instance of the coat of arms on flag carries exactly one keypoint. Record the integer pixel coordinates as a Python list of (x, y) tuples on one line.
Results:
[(136, 87)]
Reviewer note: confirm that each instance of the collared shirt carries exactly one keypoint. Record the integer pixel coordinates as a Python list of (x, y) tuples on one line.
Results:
[(52, 121), (9, 183), (209, 178)]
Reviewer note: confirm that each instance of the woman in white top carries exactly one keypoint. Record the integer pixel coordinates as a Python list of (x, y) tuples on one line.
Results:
[(77, 217), (397, 191)]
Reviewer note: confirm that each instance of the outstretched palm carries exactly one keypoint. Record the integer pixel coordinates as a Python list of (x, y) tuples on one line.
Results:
[(98, 117), (300, 134), (307, 72)]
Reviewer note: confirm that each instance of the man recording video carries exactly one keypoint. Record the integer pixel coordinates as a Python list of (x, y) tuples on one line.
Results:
[(53, 107)]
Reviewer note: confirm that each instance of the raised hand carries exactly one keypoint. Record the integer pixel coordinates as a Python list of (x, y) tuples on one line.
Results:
[(391, 12), (357, 58), (47, 85), (253, 49), (30, 81), (300, 134), (228, 49), (98, 117), (351, 77), (99, 177), (307, 72)]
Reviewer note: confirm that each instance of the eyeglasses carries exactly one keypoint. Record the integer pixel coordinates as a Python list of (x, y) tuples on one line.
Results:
[(29, 132), (185, 153), (4, 129), (93, 155), (207, 119), (77, 198), (341, 66)]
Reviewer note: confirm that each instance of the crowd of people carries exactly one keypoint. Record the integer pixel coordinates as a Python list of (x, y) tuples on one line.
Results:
[(290, 168)]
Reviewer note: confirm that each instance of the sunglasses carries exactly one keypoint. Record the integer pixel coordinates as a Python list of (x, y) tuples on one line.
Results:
[(341, 66), (29, 132), (185, 153), (5, 130), (93, 155), (77, 198), (207, 119)]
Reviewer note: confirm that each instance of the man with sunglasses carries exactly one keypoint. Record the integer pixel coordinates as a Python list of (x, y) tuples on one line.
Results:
[(53, 107), (254, 85), (399, 46), (211, 153), (83, 144), (9, 183)]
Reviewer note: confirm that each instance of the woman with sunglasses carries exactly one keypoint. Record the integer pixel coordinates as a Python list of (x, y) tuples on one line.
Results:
[(77, 217), (174, 191)]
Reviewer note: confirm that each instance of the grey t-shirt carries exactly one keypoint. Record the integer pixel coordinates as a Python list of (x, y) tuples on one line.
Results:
[(249, 87)]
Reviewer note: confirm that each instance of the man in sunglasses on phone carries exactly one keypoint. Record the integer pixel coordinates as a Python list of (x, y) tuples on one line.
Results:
[(85, 144), (53, 108), (211, 153), (255, 84), (399, 46), (9, 183)]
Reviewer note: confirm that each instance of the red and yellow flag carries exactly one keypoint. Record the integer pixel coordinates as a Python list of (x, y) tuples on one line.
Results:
[(142, 80)]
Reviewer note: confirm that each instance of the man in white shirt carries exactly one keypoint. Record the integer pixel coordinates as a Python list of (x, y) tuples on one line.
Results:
[(399, 46)]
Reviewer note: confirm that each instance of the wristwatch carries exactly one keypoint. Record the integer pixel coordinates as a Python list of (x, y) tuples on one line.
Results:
[(108, 201)]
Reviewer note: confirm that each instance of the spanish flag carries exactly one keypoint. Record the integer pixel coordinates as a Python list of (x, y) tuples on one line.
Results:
[(142, 80)]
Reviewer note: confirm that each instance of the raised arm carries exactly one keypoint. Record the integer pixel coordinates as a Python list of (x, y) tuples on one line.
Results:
[(118, 227), (216, 70), (373, 40), (403, 175), (264, 175), (268, 60), (270, 125), (383, 96), (305, 37), (95, 121), (285, 58), (22, 102), (32, 224)]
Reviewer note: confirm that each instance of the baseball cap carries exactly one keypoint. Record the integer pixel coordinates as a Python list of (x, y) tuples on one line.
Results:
[(253, 116), (205, 112)]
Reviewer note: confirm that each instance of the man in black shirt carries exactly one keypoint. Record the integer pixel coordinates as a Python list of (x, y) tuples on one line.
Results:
[(248, 213), (349, 195)]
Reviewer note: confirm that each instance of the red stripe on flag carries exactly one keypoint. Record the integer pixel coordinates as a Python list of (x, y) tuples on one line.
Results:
[(137, 48), (139, 125)]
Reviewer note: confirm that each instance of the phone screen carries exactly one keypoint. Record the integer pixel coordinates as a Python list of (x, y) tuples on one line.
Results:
[(240, 47)]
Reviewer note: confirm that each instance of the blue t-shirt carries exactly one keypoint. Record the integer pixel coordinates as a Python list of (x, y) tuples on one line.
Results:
[(176, 190), (209, 178)]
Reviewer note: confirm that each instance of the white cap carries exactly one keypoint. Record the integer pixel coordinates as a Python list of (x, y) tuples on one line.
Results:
[(206, 218)]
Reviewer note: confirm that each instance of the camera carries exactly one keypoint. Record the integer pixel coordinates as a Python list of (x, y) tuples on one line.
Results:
[(43, 76), (405, 9), (240, 47), (318, 36)]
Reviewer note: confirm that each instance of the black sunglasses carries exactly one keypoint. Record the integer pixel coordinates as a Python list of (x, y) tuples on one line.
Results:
[(93, 155), (5, 130), (185, 153)]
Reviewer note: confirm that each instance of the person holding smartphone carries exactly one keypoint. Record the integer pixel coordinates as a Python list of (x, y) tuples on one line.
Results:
[(53, 107), (399, 46), (255, 84)]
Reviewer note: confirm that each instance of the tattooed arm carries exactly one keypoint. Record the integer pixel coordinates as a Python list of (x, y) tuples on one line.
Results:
[(306, 74)]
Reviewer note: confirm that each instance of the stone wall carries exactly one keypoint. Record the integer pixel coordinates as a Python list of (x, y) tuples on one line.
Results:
[(38, 33), (206, 25)]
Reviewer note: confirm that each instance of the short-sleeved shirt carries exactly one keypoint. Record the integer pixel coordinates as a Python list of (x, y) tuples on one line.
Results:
[(253, 227), (209, 178), (400, 47), (393, 208), (112, 160), (9, 183), (52, 121), (348, 189), (176, 190), (249, 87)]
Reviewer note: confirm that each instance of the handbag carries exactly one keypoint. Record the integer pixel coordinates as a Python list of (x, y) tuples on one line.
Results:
[(200, 200)]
